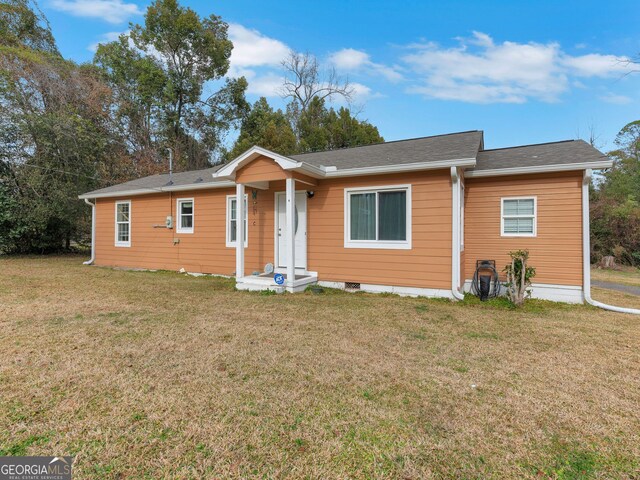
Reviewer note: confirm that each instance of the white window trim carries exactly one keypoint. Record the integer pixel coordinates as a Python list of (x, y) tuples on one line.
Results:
[(380, 244), (229, 243), (179, 228), (119, 243), (535, 217)]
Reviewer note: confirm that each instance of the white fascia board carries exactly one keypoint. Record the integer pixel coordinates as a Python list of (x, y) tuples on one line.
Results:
[(564, 167), (332, 172), (148, 191), (230, 169)]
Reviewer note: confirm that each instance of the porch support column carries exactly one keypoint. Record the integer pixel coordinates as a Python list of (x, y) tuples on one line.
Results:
[(291, 231), (240, 216)]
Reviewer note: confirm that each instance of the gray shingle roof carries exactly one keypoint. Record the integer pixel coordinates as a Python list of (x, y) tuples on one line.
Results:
[(453, 146), (154, 182), (554, 153)]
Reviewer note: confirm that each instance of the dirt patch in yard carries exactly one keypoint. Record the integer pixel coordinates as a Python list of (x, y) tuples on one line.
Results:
[(161, 375)]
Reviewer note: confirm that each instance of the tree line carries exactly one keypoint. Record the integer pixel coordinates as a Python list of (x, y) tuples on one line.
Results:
[(67, 128)]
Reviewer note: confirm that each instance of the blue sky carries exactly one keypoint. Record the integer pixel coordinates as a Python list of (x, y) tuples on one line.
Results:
[(524, 72)]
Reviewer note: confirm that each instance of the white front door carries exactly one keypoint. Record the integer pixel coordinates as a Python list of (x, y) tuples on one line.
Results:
[(300, 230)]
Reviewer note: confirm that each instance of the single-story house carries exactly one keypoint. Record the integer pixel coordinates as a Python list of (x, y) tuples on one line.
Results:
[(409, 217)]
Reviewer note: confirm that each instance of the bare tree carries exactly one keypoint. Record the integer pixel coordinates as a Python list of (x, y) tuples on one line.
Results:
[(304, 81)]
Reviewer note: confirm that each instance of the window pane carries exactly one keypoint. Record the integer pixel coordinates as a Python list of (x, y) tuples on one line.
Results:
[(187, 208), (363, 211), (233, 209), (518, 207), (518, 225), (232, 231), (123, 232), (186, 221), (392, 216), (123, 212)]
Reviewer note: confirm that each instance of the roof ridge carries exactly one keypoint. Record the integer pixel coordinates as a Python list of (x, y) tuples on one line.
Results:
[(384, 143), (528, 145)]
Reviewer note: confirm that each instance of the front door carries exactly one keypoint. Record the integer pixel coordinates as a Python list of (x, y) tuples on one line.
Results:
[(300, 230)]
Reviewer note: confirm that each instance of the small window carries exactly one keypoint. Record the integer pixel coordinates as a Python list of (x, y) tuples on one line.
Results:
[(378, 218), (519, 217), (185, 215), (232, 222), (123, 224)]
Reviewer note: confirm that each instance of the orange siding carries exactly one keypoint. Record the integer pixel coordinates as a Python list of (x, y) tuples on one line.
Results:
[(203, 251), (556, 251), (426, 265), (260, 170)]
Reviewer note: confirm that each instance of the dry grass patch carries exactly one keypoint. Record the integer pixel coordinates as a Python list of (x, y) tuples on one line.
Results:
[(624, 275), (160, 375)]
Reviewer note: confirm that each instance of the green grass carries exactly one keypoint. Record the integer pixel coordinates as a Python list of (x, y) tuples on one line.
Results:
[(160, 375)]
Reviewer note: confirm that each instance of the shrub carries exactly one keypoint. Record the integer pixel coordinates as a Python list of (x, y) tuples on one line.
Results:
[(519, 277)]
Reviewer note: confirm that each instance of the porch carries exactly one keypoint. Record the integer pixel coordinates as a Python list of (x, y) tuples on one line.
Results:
[(275, 190), (267, 281)]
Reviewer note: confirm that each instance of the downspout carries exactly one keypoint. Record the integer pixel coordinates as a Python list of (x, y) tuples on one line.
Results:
[(586, 252), (93, 233), (455, 234)]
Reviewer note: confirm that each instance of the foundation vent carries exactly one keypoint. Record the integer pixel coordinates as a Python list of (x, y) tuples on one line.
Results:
[(351, 286)]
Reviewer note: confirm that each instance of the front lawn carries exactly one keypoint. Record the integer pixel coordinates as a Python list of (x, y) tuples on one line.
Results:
[(162, 375)]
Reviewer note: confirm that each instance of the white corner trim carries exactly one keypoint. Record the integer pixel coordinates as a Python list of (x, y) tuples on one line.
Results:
[(332, 172), (377, 244), (179, 228), (539, 169)]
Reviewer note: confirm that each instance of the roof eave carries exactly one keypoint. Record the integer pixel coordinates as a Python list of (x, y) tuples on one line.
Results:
[(561, 167), (332, 172), (148, 191)]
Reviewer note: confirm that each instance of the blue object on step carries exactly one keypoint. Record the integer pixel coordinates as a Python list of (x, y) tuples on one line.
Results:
[(278, 278)]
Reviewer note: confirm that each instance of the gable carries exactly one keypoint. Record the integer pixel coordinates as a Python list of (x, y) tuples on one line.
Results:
[(262, 169)]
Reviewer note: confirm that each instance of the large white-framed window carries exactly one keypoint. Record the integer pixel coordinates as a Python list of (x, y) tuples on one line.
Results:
[(123, 223), (518, 217), (378, 217), (232, 223), (185, 214)]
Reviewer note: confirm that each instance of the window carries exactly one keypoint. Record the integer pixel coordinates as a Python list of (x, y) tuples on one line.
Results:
[(232, 220), (123, 223), (378, 217), (185, 215), (519, 217)]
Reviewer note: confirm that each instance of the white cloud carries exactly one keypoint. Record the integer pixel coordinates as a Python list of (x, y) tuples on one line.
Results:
[(351, 60), (251, 48), (256, 57), (265, 84), (616, 99), (112, 11), (596, 65), (481, 71), (106, 38)]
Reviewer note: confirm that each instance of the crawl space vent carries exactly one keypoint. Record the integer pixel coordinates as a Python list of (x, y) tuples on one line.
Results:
[(351, 286)]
